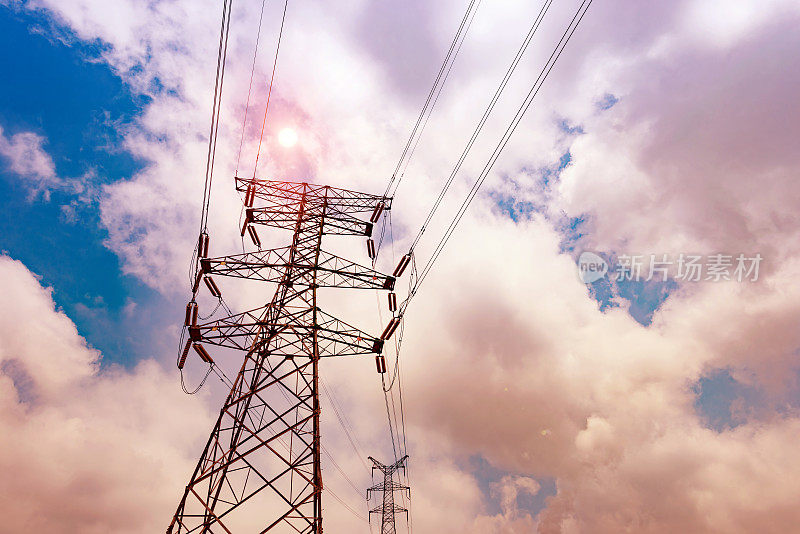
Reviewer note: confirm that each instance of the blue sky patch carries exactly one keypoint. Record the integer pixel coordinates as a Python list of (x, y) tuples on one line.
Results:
[(572, 229), (80, 107), (486, 475), (723, 403), (643, 297), (717, 396), (607, 101), (542, 179), (571, 129)]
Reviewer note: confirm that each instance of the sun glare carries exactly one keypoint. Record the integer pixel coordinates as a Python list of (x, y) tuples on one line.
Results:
[(287, 137)]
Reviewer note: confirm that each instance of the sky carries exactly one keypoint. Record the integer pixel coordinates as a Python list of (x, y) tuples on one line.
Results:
[(535, 402)]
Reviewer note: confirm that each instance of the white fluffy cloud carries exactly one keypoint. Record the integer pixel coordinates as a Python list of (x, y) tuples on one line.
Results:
[(25, 157), (84, 449), (506, 354)]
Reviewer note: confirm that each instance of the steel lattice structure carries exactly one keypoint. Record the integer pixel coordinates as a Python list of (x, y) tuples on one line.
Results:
[(387, 508), (263, 454)]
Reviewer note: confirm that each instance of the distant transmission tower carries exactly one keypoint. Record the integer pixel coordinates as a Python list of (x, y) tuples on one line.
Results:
[(260, 469), (387, 508)]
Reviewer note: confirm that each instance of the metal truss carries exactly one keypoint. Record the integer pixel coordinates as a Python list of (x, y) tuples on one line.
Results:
[(260, 468), (270, 266), (387, 508)]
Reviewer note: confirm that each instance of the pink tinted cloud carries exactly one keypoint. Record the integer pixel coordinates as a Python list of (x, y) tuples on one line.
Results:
[(84, 450), (506, 354)]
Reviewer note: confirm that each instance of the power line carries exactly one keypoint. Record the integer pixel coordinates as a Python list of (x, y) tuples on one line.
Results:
[(269, 92), (341, 471), (443, 71), (394, 428), (345, 424), (392, 416), (476, 132), (250, 88), (523, 108), (407, 470), (347, 507), (436, 99), (571, 28), (222, 55)]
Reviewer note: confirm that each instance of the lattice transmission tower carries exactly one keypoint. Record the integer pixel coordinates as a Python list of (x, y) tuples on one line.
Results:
[(260, 469), (387, 508)]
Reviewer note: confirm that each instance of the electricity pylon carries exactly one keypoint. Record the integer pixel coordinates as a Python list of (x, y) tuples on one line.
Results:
[(387, 508), (260, 469)]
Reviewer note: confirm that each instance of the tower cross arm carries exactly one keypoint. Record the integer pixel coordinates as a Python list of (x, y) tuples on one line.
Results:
[(257, 328), (273, 265), (287, 193)]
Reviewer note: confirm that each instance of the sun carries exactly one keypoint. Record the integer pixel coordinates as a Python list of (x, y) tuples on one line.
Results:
[(287, 137)]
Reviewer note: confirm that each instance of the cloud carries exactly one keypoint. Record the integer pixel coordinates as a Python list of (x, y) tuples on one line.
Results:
[(25, 157), (506, 355), (511, 520), (90, 448), (510, 488), (614, 398), (703, 139), (71, 432)]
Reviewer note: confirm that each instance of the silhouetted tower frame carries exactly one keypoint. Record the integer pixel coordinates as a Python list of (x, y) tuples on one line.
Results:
[(275, 397), (387, 508)]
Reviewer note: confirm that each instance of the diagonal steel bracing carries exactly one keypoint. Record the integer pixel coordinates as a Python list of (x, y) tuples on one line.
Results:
[(387, 509), (260, 469)]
